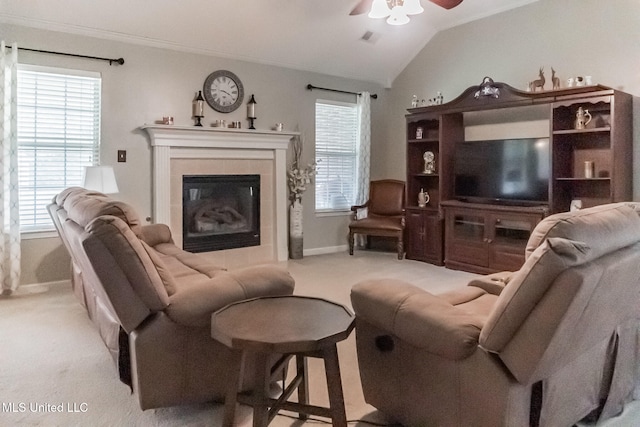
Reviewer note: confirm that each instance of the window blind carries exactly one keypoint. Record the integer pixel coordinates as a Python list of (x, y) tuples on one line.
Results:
[(58, 135), (336, 154)]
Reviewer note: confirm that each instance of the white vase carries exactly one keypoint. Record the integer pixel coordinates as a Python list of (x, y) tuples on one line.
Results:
[(295, 230)]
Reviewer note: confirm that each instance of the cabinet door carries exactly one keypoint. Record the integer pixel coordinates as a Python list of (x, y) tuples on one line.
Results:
[(424, 236), (509, 236), (466, 237), (415, 235), (433, 238)]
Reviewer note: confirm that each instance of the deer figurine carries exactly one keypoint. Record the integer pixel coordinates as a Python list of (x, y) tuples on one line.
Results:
[(539, 83), (555, 80)]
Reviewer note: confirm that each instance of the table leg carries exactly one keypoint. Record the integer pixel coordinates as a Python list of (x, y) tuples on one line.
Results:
[(334, 386), (261, 390), (303, 388), (233, 388)]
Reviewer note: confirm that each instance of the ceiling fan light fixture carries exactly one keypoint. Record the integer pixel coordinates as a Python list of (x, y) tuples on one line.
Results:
[(412, 7), (379, 9), (398, 16)]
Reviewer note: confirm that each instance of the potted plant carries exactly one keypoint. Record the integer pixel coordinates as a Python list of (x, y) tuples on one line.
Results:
[(298, 180)]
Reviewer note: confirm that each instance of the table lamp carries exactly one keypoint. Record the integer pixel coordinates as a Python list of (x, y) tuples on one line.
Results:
[(100, 178)]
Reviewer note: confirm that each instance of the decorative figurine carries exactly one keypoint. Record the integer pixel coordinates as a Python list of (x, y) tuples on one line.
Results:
[(423, 198), (198, 109), (539, 83), (414, 101), (554, 79), (583, 117), (251, 111), (487, 88), (429, 162), (437, 100)]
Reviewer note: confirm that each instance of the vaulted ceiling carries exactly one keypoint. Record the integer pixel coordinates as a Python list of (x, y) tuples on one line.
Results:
[(311, 35)]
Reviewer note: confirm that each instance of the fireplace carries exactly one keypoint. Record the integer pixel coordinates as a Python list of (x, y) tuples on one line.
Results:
[(220, 212), (189, 150)]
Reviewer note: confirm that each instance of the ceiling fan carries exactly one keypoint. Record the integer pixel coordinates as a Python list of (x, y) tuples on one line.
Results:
[(364, 6)]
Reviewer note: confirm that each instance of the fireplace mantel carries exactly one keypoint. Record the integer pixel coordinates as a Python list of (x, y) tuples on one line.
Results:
[(190, 142)]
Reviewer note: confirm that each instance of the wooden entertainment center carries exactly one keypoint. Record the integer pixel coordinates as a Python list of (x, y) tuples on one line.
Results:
[(489, 237)]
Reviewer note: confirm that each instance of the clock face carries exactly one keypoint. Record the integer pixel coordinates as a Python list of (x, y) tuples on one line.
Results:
[(223, 91), (428, 156)]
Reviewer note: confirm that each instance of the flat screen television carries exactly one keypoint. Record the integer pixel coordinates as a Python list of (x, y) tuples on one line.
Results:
[(503, 171)]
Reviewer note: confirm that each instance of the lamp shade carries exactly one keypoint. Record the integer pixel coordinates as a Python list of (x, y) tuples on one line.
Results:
[(100, 178), (379, 9)]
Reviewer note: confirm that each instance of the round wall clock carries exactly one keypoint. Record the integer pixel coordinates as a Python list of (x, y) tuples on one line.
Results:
[(223, 91)]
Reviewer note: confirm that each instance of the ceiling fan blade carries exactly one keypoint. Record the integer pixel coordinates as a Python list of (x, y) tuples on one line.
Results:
[(447, 4), (363, 6)]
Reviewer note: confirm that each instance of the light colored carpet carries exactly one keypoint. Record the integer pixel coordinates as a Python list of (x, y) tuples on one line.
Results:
[(52, 358)]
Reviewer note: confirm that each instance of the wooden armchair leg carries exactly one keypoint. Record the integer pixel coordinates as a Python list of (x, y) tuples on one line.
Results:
[(400, 248), (351, 237)]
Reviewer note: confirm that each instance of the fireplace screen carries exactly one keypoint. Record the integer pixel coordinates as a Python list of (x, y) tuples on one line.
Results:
[(220, 212)]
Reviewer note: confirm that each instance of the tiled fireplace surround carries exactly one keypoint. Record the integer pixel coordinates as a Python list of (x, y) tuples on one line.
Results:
[(181, 150)]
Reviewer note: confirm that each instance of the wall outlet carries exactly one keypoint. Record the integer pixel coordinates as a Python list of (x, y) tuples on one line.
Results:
[(122, 155)]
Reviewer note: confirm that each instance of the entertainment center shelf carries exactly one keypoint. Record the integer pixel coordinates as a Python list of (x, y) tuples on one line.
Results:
[(589, 162), (578, 131)]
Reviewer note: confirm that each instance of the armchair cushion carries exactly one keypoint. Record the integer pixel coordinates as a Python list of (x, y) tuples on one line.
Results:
[(82, 206), (598, 227), (527, 287), (493, 283), (186, 267), (386, 197), (134, 261), (192, 305), (165, 274), (421, 319), (378, 223), (154, 234)]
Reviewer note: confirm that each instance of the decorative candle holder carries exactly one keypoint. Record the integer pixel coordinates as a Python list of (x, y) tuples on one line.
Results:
[(198, 109), (251, 111)]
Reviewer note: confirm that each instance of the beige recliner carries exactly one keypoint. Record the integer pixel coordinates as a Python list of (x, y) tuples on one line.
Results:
[(547, 345), (151, 301)]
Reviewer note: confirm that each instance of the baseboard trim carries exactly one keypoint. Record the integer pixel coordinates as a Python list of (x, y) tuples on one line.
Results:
[(325, 250), (36, 286)]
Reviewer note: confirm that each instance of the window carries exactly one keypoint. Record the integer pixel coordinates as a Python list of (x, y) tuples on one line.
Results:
[(336, 154), (58, 135)]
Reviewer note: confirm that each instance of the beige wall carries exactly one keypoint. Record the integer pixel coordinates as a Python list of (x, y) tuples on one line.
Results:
[(575, 37), (157, 82)]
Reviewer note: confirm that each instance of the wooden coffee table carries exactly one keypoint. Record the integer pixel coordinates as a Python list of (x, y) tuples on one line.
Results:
[(288, 326)]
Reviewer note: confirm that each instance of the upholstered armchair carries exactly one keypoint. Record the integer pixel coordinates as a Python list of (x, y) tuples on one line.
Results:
[(547, 345), (385, 214)]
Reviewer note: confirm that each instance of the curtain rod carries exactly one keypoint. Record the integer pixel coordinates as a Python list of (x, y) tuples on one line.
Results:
[(111, 61), (311, 87)]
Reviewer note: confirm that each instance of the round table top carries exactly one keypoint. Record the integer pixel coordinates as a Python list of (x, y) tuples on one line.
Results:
[(282, 324)]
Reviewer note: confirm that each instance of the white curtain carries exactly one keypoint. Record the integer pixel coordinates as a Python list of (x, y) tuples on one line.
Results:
[(9, 211), (364, 154)]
